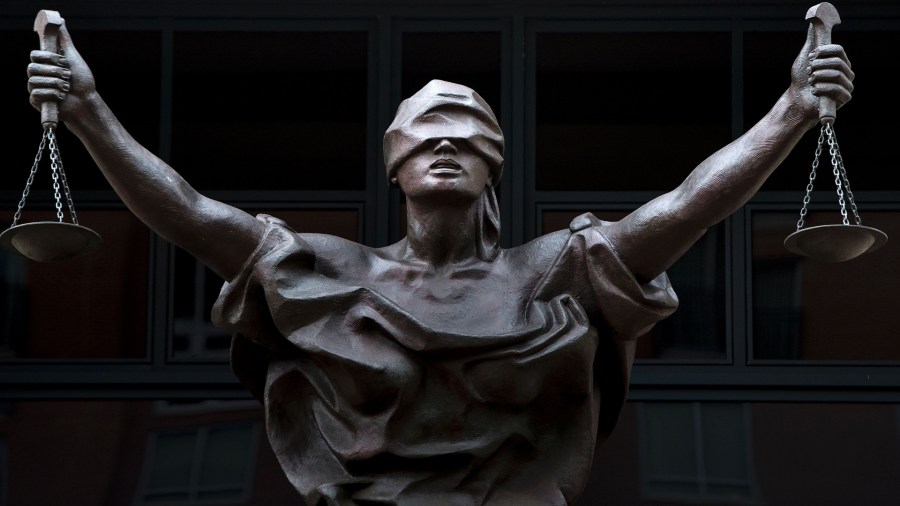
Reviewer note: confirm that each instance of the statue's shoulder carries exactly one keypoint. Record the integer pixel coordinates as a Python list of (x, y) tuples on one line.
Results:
[(319, 243), (337, 250), (540, 250), (322, 249), (550, 246)]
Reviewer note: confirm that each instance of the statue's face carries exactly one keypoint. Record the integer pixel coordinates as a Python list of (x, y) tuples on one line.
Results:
[(444, 168)]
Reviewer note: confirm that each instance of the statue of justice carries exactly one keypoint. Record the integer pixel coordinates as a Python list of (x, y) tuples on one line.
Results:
[(442, 369)]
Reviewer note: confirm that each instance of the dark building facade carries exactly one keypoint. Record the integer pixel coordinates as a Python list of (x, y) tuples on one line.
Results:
[(777, 381)]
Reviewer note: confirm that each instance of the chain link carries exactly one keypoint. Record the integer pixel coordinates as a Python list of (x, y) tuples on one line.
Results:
[(832, 150), (846, 180), (812, 178), (54, 168), (62, 179), (841, 180), (59, 180)]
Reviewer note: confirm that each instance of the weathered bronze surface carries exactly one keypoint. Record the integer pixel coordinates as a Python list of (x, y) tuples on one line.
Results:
[(832, 243), (49, 241), (442, 369), (835, 243)]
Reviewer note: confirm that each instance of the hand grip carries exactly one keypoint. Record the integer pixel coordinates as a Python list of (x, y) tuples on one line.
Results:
[(47, 24), (823, 17)]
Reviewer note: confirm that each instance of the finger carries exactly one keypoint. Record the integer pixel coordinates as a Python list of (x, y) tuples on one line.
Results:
[(42, 70), (840, 94), (48, 57), (830, 77), (834, 63), (831, 51), (41, 82)]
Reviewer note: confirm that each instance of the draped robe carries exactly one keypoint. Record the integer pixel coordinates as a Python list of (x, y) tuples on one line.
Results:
[(384, 382)]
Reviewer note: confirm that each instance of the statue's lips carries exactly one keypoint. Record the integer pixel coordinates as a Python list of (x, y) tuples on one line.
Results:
[(446, 166)]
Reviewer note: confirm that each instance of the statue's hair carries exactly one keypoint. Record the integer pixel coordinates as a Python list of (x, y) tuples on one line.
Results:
[(487, 219)]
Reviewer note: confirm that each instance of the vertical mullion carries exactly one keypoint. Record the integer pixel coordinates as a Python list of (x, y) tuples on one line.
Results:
[(394, 75), (373, 222), (527, 37), (384, 72), (736, 266), (737, 78), (162, 253), (521, 195)]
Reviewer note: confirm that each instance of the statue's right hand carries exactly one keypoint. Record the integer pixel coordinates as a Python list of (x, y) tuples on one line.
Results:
[(62, 77)]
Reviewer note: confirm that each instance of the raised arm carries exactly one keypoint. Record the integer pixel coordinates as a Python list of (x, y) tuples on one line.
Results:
[(221, 236), (653, 237)]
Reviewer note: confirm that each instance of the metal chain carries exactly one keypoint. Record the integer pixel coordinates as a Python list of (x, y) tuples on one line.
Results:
[(812, 178), (30, 181), (832, 150), (846, 180), (54, 168), (62, 178)]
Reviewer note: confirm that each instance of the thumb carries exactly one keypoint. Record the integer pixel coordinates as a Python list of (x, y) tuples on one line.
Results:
[(809, 45), (73, 59), (803, 58), (811, 42), (66, 46)]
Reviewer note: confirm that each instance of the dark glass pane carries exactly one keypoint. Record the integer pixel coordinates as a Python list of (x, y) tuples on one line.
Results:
[(797, 453), (793, 453), (671, 445), (130, 452), (806, 309), (266, 111), (696, 331), (171, 468), (131, 89), (93, 306), (724, 452), (865, 133), (196, 287), (468, 58), (629, 111), (219, 468)]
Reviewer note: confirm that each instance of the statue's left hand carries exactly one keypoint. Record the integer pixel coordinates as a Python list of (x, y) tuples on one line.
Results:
[(62, 77), (820, 71)]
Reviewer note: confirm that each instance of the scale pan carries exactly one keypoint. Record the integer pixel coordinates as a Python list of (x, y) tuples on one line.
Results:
[(50, 241), (835, 243)]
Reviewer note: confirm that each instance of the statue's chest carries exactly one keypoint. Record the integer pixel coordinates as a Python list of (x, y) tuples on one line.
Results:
[(463, 300)]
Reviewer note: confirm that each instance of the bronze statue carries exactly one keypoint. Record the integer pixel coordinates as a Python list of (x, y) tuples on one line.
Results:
[(442, 369)]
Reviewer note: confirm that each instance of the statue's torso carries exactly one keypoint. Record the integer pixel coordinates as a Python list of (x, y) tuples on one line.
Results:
[(394, 383)]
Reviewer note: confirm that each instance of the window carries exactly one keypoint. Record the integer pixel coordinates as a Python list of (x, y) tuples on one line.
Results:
[(696, 451), (94, 307), (256, 116), (200, 465), (807, 309), (601, 122), (280, 109)]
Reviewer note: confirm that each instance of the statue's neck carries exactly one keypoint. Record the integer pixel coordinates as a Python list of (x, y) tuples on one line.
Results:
[(441, 235)]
